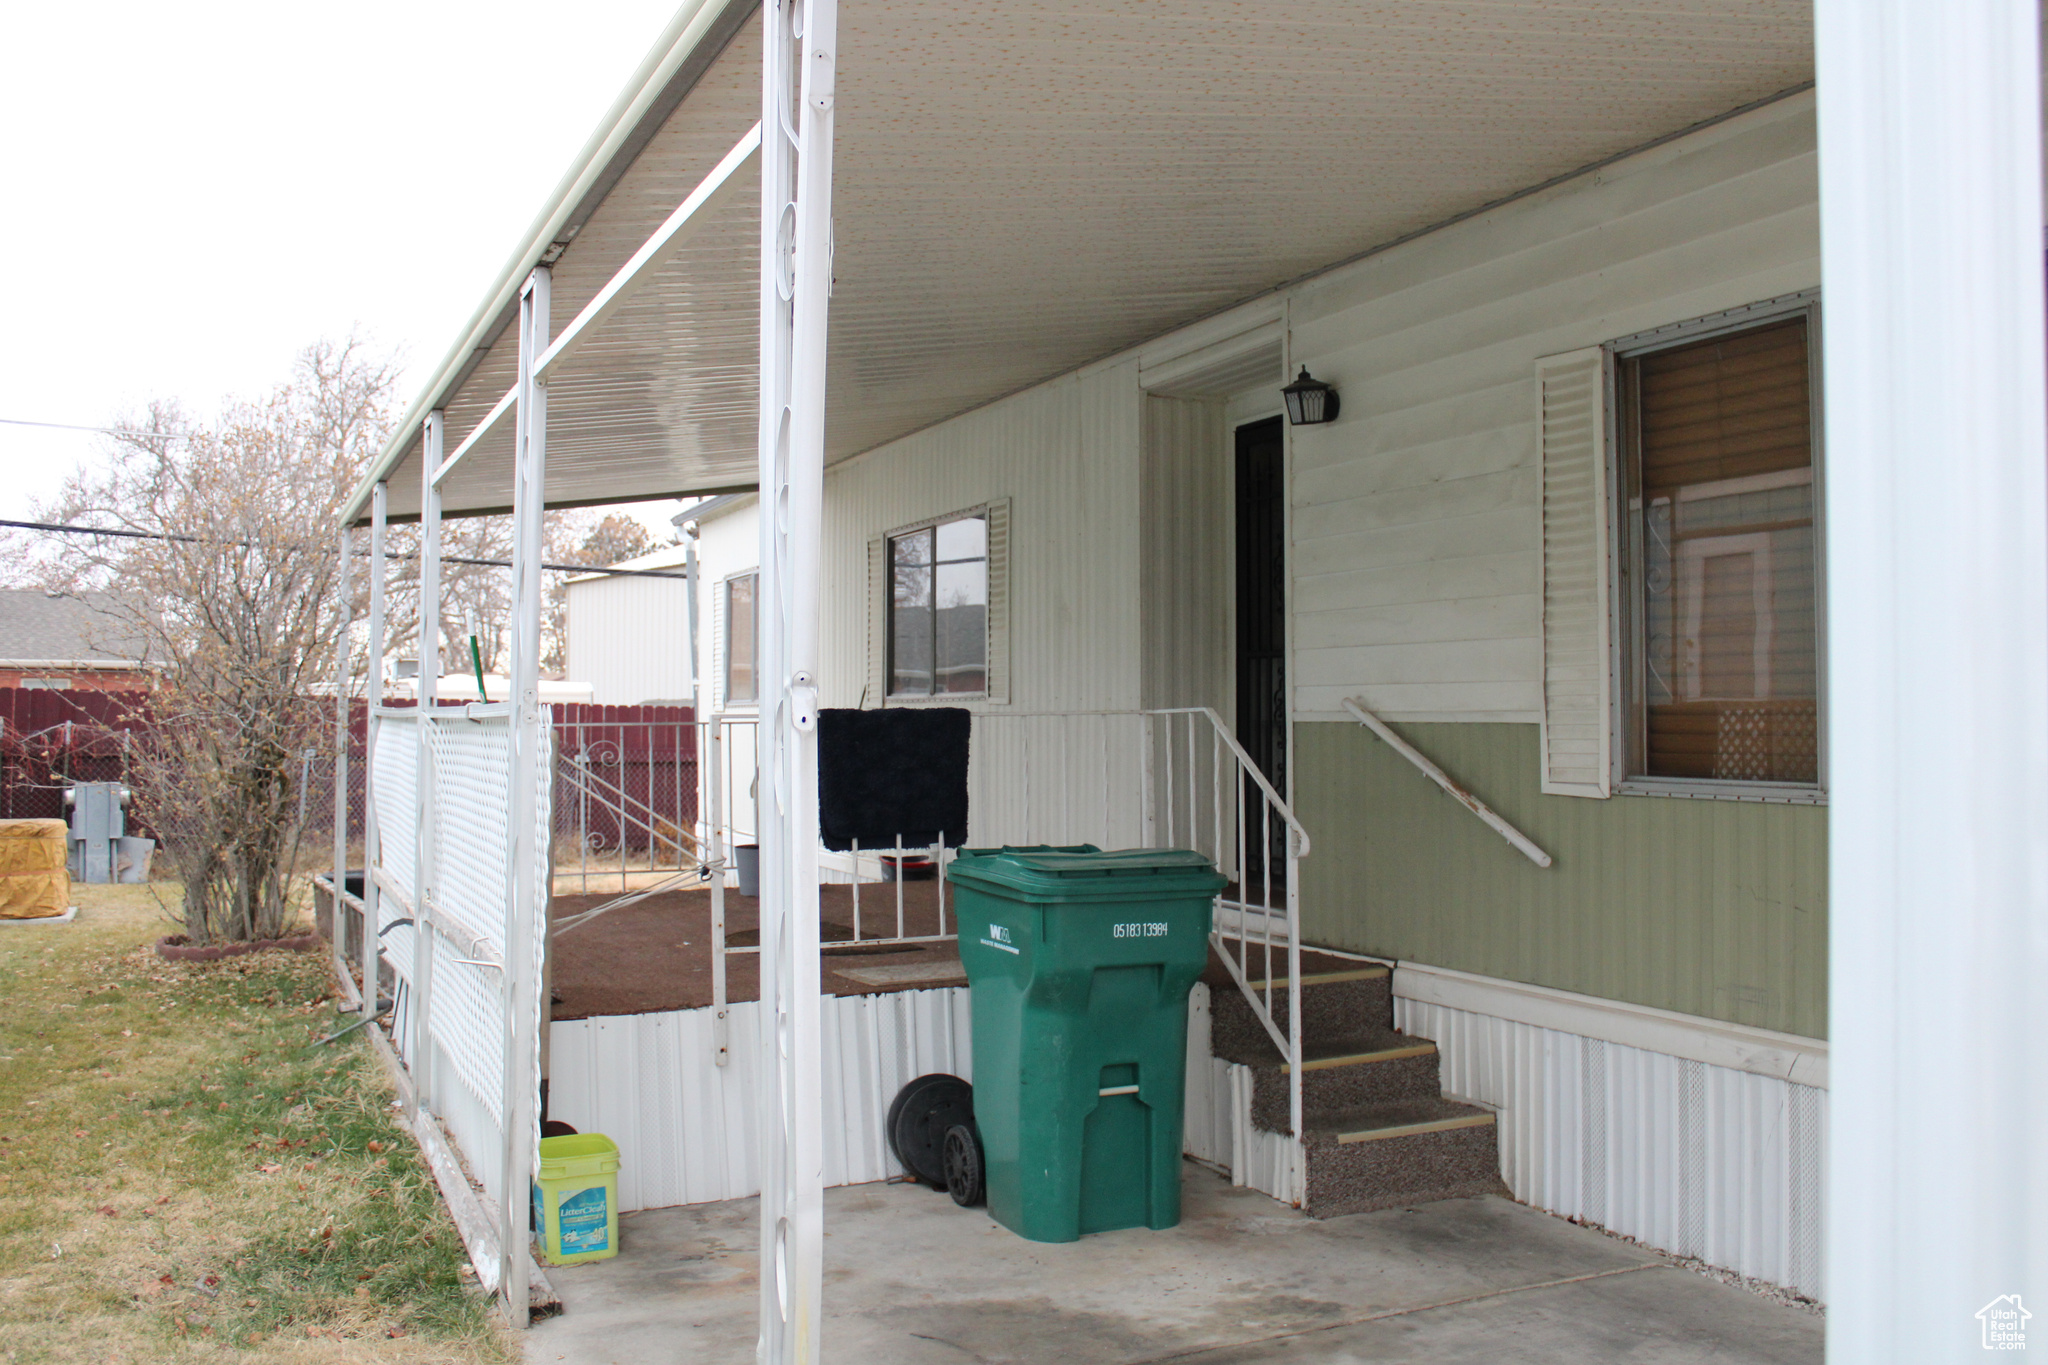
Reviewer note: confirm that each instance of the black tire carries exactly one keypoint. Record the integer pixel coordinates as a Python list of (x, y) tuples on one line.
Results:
[(918, 1120), (963, 1165)]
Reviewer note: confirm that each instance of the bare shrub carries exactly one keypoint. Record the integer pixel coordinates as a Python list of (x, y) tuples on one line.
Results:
[(233, 590), (228, 576)]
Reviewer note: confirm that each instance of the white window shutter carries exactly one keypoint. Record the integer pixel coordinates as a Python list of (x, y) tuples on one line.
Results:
[(1578, 672), (877, 691), (999, 601), (717, 688)]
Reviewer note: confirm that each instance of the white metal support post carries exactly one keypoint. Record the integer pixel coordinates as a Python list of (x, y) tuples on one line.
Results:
[(1937, 574), (426, 683), (800, 53), (1297, 1153), (373, 695), (522, 972), (344, 623)]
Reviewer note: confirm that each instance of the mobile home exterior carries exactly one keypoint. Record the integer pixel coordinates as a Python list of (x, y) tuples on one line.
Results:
[(1558, 569), (1663, 983)]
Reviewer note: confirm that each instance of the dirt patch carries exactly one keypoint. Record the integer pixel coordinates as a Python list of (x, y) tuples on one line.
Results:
[(655, 954)]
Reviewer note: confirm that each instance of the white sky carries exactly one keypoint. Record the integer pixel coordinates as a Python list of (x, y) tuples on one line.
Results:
[(195, 192)]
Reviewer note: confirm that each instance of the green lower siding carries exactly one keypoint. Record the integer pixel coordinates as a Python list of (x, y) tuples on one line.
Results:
[(1715, 908)]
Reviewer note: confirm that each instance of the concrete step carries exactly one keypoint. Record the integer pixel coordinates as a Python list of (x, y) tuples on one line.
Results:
[(1340, 1074), (1387, 1155), (1340, 1003)]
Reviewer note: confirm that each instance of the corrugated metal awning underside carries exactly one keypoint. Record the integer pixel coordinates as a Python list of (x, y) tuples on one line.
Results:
[(1024, 187)]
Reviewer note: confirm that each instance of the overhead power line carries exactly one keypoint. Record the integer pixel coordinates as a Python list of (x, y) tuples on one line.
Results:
[(102, 431), (61, 528)]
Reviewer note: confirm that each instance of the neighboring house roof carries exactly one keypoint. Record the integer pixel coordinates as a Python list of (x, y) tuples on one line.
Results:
[(51, 629), (711, 509), (667, 557), (675, 556)]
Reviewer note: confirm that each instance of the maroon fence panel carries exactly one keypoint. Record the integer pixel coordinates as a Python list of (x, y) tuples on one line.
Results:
[(626, 776), (51, 738), (638, 765)]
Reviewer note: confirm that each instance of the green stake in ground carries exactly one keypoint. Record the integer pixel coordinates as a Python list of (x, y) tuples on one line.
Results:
[(1081, 962)]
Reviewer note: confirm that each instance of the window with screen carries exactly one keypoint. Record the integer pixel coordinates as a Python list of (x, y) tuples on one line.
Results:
[(1723, 649), (938, 609), (741, 621)]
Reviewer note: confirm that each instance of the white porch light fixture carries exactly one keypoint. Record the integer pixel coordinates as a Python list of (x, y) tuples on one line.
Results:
[(1310, 402)]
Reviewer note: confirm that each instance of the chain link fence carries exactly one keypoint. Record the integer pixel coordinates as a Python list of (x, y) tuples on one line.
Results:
[(625, 781)]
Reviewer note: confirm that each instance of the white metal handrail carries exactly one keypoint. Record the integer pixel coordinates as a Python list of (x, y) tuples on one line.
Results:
[(1521, 842), (1234, 778)]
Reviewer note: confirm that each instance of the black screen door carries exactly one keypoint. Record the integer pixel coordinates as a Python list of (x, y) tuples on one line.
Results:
[(1262, 621)]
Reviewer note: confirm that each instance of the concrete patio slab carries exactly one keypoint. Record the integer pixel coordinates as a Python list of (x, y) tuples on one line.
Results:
[(911, 1279)]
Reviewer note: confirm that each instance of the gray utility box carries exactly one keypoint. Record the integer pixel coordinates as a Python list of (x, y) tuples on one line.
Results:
[(102, 850)]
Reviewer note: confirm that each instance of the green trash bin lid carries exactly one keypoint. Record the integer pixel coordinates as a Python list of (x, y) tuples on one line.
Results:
[(1085, 872)]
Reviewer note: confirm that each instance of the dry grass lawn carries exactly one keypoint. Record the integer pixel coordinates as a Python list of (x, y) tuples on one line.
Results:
[(183, 1177)]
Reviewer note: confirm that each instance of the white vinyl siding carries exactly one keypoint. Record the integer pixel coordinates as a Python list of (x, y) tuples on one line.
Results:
[(1187, 585), (876, 688), (1056, 468), (1417, 547), (629, 638), (1578, 673), (1417, 534), (728, 544), (715, 679)]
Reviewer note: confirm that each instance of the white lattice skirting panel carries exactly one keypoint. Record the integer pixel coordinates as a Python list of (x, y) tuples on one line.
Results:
[(1715, 1161), (469, 1015)]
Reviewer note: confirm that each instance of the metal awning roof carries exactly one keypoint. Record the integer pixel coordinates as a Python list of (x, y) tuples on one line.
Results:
[(1022, 187)]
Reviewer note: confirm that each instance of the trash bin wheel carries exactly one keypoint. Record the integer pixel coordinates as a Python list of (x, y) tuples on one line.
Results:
[(963, 1165), (918, 1120)]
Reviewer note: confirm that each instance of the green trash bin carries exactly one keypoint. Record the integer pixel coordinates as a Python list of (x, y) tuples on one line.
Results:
[(1081, 962)]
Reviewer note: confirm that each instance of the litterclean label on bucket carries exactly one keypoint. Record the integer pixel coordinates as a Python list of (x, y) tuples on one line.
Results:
[(582, 1218)]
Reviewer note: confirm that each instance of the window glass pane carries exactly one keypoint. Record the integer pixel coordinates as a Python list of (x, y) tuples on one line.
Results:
[(938, 609), (1721, 559), (963, 626), (962, 643), (966, 538), (740, 620), (910, 614)]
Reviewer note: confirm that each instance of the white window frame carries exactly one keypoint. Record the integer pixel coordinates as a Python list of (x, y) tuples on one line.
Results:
[(1624, 660), (721, 642), (997, 691)]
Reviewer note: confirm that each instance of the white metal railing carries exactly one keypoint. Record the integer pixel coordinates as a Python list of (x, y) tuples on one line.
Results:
[(1203, 791), (1521, 842), (627, 801), (1169, 777), (731, 748)]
